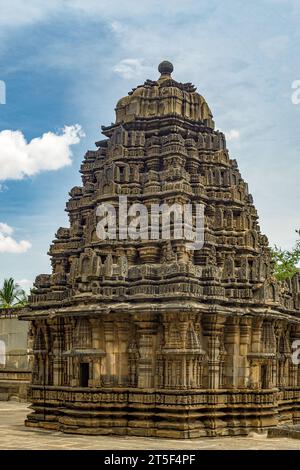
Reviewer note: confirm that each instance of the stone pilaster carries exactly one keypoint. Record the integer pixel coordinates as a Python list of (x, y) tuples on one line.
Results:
[(110, 364), (95, 381), (213, 325), (245, 344), (57, 334), (232, 340), (146, 332)]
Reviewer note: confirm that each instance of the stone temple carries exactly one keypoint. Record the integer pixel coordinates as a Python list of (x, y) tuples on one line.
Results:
[(148, 337)]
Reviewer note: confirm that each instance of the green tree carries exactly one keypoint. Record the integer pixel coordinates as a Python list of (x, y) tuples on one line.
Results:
[(11, 295), (286, 261)]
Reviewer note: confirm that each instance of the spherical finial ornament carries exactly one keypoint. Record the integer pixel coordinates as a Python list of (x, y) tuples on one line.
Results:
[(165, 68)]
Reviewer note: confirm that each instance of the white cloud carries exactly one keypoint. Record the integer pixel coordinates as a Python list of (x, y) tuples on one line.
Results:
[(5, 229), (25, 284), (129, 68), (19, 158), (8, 244), (233, 134)]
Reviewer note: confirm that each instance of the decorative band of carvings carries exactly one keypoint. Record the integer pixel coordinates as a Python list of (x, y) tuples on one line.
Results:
[(155, 398)]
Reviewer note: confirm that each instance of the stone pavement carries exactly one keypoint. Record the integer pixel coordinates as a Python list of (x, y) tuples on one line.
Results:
[(14, 435)]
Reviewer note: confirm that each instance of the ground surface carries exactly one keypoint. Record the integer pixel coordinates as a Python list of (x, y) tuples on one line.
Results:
[(14, 435)]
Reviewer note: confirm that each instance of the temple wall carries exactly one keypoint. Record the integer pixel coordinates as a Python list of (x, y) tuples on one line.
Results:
[(180, 351), (228, 374)]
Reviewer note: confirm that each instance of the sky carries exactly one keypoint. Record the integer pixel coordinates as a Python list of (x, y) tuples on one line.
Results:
[(64, 65)]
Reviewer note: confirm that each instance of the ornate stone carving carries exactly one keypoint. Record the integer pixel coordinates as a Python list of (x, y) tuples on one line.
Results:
[(166, 340)]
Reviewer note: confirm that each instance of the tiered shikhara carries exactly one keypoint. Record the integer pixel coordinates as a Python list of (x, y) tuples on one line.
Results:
[(150, 338)]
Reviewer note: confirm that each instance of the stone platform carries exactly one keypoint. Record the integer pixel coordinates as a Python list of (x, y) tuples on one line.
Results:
[(14, 435)]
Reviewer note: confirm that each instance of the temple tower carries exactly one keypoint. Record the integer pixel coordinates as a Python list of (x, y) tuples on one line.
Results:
[(146, 331)]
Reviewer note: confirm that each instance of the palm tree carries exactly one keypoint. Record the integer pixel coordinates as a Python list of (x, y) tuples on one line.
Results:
[(11, 295)]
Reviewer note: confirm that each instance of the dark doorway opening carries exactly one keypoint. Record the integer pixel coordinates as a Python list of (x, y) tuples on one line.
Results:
[(264, 376), (84, 374)]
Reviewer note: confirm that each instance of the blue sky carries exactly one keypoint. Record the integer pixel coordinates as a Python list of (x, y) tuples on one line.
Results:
[(66, 63)]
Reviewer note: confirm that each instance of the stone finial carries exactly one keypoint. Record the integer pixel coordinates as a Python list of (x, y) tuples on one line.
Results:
[(165, 68)]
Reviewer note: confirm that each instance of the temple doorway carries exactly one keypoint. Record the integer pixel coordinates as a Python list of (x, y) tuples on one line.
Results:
[(84, 374), (264, 376)]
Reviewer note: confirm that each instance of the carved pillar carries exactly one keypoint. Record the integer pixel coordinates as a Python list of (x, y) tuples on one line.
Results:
[(146, 330), (254, 376), (273, 373), (133, 356), (42, 350), (110, 366), (245, 338), (185, 377), (213, 325), (256, 347), (232, 339), (69, 325), (282, 355), (122, 354), (57, 333), (95, 381), (159, 358), (256, 335)]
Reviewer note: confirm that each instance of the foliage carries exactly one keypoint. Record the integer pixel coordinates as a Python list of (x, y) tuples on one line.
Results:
[(286, 261), (11, 295)]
